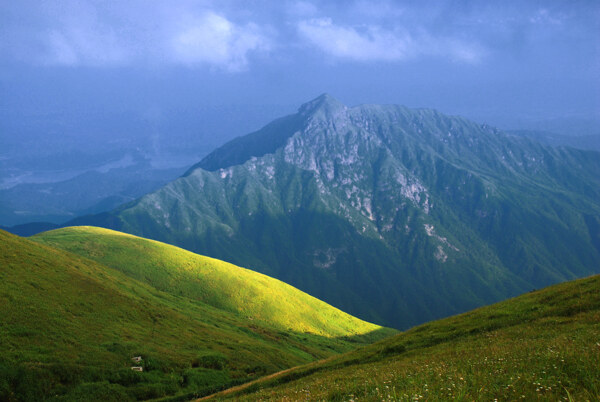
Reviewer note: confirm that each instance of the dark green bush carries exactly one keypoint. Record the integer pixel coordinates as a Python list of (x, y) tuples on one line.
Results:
[(153, 364), (125, 377), (33, 383), (210, 360), (152, 390), (394, 349), (99, 391), (201, 378)]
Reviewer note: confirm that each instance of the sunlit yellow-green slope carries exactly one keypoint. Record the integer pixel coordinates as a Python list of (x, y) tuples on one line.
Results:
[(222, 285), (69, 326)]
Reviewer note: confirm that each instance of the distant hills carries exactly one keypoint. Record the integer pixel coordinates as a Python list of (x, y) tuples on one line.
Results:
[(72, 321), (91, 191), (398, 216), (60, 165)]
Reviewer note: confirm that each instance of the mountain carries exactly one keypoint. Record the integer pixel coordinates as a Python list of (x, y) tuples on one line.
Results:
[(396, 215), (70, 325), (542, 345)]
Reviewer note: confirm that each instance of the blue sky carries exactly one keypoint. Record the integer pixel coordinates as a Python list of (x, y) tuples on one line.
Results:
[(505, 61)]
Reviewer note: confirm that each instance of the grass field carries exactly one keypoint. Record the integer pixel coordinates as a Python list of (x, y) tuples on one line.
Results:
[(70, 325), (544, 345)]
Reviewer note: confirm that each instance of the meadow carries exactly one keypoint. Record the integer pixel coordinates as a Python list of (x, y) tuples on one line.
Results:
[(544, 345)]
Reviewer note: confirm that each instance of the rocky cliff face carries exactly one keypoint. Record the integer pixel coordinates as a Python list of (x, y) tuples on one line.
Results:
[(395, 215)]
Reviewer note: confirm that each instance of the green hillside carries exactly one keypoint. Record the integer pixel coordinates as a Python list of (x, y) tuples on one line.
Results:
[(70, 326), (543, 345), (247, 293)]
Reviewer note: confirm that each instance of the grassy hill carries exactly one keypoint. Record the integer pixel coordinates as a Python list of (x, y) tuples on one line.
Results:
[(543, 345), (179, 272), (70, 326)]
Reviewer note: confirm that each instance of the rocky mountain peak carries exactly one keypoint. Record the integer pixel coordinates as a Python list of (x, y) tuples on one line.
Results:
[(314, 115), (324, 105)]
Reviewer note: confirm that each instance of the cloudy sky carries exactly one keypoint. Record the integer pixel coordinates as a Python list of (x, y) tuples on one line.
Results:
[(483, 59)]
